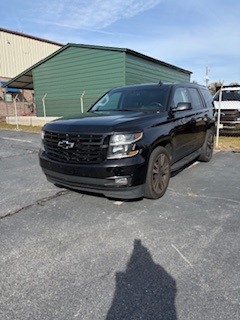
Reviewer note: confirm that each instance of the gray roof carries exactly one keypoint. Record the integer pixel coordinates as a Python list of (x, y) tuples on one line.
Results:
[(21, 34)]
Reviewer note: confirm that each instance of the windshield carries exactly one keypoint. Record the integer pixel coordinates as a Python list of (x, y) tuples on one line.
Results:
[(134, 99), (229, 95)]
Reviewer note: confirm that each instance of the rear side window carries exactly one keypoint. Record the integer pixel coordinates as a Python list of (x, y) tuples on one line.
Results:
[(197, 102), (207, 97)]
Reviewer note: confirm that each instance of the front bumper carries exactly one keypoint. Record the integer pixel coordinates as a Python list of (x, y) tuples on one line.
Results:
[(122, 178), (231, 128)]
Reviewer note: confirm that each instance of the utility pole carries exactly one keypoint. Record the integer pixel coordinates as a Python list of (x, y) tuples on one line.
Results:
[(206, 76)]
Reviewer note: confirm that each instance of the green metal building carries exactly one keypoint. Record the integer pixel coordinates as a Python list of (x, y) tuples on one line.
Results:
[(76, 75)]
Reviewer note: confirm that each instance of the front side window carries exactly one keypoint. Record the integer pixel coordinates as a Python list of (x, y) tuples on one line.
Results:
[(180, 95)]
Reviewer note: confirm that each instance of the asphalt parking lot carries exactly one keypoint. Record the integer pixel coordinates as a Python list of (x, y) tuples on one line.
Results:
[(67, 255)]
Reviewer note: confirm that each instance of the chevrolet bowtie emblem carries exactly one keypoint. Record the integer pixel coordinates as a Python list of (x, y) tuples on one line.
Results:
[(66, 144)]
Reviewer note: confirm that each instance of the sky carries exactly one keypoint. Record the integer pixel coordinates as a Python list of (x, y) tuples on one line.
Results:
[(195, 35)]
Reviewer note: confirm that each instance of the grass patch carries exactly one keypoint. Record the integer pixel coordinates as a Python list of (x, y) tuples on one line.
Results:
[(229, 143)]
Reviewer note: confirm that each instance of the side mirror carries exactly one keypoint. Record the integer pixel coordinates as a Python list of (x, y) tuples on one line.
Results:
[(182, 106)]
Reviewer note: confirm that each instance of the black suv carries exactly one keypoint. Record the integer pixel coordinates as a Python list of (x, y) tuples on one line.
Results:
[(130, 140)]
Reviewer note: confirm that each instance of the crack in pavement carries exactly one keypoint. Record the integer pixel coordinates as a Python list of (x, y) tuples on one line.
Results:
[(40, 202)]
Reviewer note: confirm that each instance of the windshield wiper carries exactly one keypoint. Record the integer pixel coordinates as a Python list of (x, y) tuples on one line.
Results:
[(97, 110), (126, 109), (116, 110)]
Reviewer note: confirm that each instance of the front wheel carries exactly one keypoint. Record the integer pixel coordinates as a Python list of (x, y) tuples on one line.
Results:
[(158, 173)]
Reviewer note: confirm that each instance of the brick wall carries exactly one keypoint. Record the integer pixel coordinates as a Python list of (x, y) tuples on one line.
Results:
[(25, 103)]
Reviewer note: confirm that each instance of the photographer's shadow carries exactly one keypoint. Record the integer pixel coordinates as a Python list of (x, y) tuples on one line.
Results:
[(144, 291)]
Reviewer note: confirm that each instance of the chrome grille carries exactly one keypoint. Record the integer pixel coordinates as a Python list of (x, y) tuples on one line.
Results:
[(87, 148)]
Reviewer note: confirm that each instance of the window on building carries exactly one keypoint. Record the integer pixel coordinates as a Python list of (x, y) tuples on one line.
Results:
[(8, 97)]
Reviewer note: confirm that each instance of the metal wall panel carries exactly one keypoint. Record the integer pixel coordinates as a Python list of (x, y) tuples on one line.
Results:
[(68, 74), (75, 70), (139, 70), (17, 53)]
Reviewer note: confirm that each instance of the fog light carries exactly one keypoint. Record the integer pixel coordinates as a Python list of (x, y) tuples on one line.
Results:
[(121, 181)]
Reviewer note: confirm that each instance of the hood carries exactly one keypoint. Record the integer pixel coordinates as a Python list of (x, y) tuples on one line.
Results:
[(105, 122), (227, 105)]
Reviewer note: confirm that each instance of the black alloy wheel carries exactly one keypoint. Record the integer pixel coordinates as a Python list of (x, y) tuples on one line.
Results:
[(208, 146), (158, 174)]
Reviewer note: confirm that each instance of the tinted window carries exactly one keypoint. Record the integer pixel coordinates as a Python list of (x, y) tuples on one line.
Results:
[(196, 99), (134, 99), (109, 101), (229, 95), (207, 96), (180, 95), (233, 95)]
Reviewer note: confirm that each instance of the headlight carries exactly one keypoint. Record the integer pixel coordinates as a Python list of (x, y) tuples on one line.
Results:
[(123, 145), (42, 136)]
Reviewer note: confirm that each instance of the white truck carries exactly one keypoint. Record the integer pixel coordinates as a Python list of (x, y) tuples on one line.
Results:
[(227, 100)]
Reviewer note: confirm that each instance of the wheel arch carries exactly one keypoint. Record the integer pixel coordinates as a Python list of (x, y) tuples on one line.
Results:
[(165, 143)]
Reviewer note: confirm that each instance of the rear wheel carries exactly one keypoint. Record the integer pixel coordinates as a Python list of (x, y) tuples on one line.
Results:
[(158, 173), (207, 148)]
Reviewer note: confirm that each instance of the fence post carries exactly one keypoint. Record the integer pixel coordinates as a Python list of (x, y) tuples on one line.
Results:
[(44, 107), (219, 116), (81, 100), (15, 109)]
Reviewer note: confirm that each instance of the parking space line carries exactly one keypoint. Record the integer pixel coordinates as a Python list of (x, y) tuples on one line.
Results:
[(14, 139), (184, 258)]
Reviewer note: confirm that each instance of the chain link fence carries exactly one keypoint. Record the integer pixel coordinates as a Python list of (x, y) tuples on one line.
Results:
[(36, 112), (50, 107), (15, 108), (227, 106)]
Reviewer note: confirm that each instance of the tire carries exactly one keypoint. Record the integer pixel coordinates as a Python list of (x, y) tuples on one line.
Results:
[(207, 148), (158, 173)]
